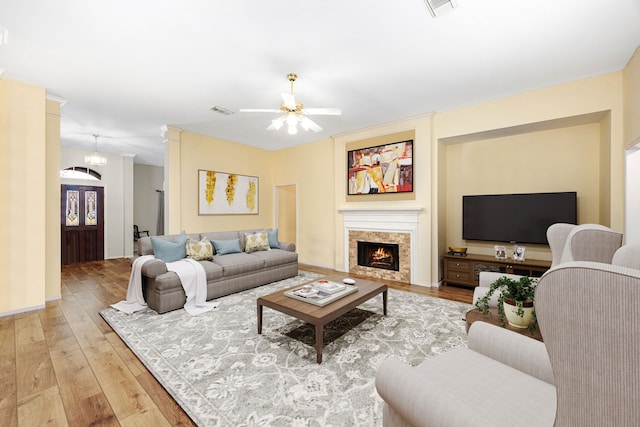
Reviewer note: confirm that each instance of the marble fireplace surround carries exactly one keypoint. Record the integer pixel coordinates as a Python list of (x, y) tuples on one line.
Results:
[(383, 226)]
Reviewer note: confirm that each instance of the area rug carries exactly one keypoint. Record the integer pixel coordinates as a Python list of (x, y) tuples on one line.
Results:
[(222, 373)]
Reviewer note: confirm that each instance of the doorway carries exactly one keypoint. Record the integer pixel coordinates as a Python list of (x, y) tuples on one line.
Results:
[(81, 223), (286, 213), (632, 196)]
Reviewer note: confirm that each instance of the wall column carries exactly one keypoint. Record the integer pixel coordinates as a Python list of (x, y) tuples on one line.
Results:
[(52, 202), (23, 187), (172, 184)]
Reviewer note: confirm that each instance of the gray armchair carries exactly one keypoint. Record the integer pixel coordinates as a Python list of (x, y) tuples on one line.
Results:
[(589, 318), (586, 373), (568, 242)]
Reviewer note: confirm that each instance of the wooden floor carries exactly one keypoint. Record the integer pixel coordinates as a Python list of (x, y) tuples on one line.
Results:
[(63, 365)]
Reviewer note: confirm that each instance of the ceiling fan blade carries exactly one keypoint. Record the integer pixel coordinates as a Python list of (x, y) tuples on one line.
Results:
[(258, 110), (323, 111), (289, 101), (307, 123), (276, 124)]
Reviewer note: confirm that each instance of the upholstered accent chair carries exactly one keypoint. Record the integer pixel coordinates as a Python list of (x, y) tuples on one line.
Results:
[(627, 256), (568, 242), (586, 373)]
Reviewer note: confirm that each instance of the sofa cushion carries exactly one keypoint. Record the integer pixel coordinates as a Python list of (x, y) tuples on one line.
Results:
[(224, 247), (239, 263), (276, 257), (146, 248), (224, 235), (255, 242), (199, 249), (170, 251), (273, 239), (212, 270)]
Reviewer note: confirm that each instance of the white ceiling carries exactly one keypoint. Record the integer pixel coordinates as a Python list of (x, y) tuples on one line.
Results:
[(126, 68)]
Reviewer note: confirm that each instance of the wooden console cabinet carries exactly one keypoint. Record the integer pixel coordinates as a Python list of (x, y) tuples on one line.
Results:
[(465, 270)]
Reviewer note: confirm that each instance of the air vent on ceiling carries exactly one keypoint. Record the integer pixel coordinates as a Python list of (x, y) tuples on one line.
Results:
[(432, 5), (221, 110)]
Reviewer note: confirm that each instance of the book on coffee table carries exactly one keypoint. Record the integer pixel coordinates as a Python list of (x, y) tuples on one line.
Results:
[(315, 296), (328, 287)]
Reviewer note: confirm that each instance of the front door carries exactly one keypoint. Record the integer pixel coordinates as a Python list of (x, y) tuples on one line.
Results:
[(82, 223)]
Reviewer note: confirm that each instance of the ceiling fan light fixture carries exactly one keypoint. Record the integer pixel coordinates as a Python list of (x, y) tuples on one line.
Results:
[(293, 112), (292, 120)]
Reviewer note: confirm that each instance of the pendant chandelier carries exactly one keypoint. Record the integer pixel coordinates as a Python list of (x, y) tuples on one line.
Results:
[(95, 158)]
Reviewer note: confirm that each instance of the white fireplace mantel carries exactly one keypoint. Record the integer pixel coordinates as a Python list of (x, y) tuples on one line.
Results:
[(400, 220), (389, 218)]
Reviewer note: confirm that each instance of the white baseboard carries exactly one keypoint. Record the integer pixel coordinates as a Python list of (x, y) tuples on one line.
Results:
[(21, 310), (329, 267)]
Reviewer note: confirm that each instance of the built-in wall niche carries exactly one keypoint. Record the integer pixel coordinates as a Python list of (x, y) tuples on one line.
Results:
[(517, 160)]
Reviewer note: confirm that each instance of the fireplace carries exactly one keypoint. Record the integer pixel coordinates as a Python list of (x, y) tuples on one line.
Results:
[(385, 256), (399, 226)]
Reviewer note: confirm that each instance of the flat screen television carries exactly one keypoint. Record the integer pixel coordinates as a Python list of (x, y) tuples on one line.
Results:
[(516, 218)]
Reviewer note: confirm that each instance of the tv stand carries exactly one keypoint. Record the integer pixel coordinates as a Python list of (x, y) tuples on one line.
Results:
[(466, 270)]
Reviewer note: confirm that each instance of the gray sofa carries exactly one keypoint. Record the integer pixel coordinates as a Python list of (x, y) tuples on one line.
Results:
[(226, 274)]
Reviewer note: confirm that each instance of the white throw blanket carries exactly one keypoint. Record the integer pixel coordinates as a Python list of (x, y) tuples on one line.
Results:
[(193, 279)]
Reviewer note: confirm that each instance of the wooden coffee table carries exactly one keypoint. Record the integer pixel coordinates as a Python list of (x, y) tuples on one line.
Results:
[(320, 316)]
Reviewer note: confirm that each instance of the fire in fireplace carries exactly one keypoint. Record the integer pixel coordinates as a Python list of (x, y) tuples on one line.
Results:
[(379, 255)]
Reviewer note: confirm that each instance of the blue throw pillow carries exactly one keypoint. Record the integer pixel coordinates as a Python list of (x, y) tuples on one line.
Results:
[(224, 247), (273, 239), (170, 251)]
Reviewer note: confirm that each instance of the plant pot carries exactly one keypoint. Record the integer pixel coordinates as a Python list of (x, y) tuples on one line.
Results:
[(510, 310)]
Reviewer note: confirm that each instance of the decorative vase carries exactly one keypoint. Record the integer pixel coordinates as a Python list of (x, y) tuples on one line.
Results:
[(511, 310)]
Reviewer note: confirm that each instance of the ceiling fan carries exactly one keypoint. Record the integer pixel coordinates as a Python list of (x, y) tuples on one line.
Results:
[(294, 112)]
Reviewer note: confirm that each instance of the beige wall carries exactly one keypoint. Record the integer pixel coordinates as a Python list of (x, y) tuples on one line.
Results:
[(23, 174), (196, 152), (632, 101), (311, 168)]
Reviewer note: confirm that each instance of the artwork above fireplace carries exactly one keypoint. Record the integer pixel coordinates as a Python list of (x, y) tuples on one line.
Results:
[(379, 255)]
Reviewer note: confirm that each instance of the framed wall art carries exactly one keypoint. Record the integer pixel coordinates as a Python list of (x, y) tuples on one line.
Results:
[(380, 169), (221, 193)]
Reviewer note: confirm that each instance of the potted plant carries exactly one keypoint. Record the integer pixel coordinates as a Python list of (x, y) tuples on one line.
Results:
[(515, 301)]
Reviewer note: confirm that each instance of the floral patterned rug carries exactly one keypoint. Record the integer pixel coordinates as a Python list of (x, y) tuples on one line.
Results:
[(222, 373)]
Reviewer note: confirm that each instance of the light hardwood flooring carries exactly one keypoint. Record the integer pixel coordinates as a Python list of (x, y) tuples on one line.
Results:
[(63, 365)]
